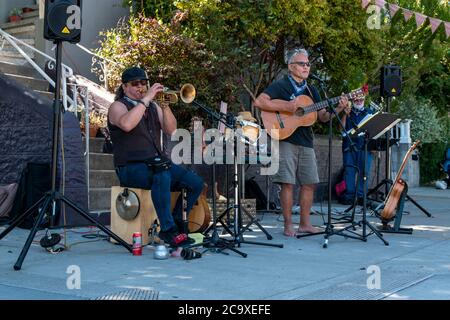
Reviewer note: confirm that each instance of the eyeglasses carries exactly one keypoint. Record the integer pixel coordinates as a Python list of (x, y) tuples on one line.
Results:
[(135, 83), (302, 64)]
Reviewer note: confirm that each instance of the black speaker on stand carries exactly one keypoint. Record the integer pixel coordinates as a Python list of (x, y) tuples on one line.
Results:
[(390, 81), (391, 86), (62, 23), (62, 20)]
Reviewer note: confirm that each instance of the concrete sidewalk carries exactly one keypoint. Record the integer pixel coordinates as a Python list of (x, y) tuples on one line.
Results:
[(413, 266)]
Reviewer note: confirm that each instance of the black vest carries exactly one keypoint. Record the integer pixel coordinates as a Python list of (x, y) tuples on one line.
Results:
[(141, 143)]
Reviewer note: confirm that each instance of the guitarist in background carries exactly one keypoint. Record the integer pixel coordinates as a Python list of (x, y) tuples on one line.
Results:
[(354, 157), (297, 157)]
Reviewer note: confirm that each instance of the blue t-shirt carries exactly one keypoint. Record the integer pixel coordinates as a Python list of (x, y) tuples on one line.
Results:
[(283, 89), (353, 119)]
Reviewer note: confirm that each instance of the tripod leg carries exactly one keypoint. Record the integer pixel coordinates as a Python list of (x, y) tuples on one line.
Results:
[(98, 224), (219, 220), (255, 221), (418, 206), (32, 234), (20, 218), (379, 235)]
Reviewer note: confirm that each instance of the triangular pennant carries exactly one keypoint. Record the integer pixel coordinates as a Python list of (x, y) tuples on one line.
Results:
[(380, 3), (393, 8), (420, 19), (447, 29), (365, 3), (435, 23), (407, 14)]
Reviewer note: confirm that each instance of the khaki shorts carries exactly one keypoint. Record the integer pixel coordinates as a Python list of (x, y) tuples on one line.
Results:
[(297, 165)]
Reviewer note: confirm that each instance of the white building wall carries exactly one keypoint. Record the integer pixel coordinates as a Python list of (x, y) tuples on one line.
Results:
[(97, 16)]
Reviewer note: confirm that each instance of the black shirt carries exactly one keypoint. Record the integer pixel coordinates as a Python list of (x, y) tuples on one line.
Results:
[(284, 90), (141, 143)]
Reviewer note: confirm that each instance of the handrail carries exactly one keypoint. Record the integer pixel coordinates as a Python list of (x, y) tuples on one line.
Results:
[(103, 66), (67, 71)]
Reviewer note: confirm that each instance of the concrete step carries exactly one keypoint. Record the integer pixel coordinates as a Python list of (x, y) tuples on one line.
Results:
[(15, 54), (103, 178), (35, 84), (100, 199), (31, 21), (23, 32), (17, 61), (46, 94), (30, 15), (23, 70), (101, 161), (95, 145), (8, 46)]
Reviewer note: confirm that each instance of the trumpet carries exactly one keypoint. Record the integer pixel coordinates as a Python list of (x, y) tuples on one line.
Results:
[(187, 95)]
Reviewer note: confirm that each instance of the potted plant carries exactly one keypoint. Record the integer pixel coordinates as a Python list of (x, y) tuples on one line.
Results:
[(15, 15), (96, 121)]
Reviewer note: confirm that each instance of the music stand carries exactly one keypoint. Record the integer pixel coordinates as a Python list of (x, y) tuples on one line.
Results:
[(372, 128)]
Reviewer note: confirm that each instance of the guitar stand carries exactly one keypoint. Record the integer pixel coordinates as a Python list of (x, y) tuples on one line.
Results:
[(386, 228), (388, 183)]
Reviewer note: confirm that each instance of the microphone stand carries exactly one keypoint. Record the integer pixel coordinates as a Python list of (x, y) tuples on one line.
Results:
[(329, 230), (237, 235)]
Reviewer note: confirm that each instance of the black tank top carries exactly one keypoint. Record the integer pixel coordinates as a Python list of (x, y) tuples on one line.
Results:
[(141, 143)]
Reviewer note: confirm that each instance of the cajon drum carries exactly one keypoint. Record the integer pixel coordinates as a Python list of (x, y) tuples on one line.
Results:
[(141, 223)]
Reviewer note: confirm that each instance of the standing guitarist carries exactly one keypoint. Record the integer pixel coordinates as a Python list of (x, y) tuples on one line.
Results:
[(297, 157)]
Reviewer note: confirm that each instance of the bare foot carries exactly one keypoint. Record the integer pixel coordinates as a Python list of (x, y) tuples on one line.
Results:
[(289, 231), (308, 229)]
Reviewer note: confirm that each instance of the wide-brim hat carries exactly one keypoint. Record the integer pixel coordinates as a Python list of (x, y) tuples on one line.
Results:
[(134, 73), (246, 116)]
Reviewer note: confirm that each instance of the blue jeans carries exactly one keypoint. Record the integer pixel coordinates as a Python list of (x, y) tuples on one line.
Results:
[(353, 163), (139, 175)]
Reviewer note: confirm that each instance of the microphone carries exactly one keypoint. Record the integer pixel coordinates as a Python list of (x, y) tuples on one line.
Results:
[(316, 77)]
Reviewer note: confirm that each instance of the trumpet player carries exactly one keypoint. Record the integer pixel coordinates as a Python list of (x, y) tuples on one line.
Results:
[(136, 123)]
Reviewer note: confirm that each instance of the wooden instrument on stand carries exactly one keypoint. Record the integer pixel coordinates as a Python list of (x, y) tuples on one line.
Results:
[(394, 195)]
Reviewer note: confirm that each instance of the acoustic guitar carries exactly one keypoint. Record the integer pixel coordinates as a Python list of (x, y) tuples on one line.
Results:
[(395, 193), (200, 215), (304, 116)]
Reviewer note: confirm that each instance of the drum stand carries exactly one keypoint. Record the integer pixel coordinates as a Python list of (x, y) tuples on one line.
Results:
[(237, 234)]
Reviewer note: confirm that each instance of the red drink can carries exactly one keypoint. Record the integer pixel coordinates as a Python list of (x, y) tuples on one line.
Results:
[(137, 244)]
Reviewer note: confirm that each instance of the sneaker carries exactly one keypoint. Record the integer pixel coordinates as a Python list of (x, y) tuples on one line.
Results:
[(173, 237)]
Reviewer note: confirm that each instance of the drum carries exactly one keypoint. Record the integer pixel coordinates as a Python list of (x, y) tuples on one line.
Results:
[(251, 132), (247, 131)]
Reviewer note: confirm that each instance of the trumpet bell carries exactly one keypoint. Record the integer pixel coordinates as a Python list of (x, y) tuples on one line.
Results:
[(187, 93)]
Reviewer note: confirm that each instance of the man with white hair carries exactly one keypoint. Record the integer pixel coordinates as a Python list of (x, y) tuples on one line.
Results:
[(297, 158)]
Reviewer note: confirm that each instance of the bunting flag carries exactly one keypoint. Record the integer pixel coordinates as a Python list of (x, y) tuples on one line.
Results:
[(380, 3), (435, 23), (393, 8), (420, 19), (407, 14), (365, 3)]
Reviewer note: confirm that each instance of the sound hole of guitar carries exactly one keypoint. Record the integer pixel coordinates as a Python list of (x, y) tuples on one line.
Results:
[(300, 112)]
